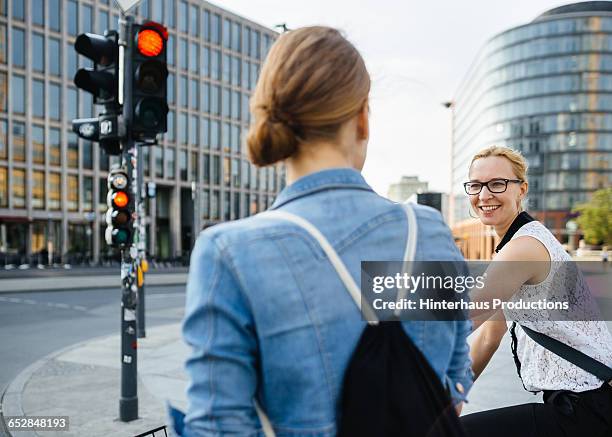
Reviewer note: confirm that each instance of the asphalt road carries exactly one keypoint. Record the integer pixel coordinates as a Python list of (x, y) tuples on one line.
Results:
[(35, 324)]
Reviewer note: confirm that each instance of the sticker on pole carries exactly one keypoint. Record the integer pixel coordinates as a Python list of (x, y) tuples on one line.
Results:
[(129, 315), (126, 5)]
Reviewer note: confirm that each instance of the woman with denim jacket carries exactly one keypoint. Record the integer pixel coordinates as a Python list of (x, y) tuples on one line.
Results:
[(268, 321)]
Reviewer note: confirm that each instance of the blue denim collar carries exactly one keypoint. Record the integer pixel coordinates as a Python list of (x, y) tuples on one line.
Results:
[(335, 178)]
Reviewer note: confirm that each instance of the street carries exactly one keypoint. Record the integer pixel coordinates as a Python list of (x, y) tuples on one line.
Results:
[(33, 325)]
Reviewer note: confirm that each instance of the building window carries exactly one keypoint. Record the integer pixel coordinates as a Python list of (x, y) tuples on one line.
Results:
[(183, 53), (205, 204), (87, 148), (3, 92), (236, 207), (3, 44), (145, 160), (214, 213), (206, 169), (215, 135), (235, 105), (18, 47), (225, 137), (194, 166), (244, 175), (38, 12), (183, 91), (193, 130), (235, 173), (225, 102), (72, 103), (170, 50), (38, 52), (88, 193), (3, 139), (227, 29), (206, 25), (103, 23), (170, 88), (170, 162), (38, 190), (183, 16), (205, 97), (193, 19), (18, 183), (170, 120), (206, 61), (245, 75), (19, 9), (236, 37), (73, 18), (71, 60), (86, 18), (214, 99), (170, 15), (226, 206), (19, 150), (3, 187), (255, 44), (55, 61), (55, 101), (55, 148), (158, 156), (102, 194), (54, 14), (55, 189), (38, 96), (193, 57), (216, 170), (246, 40), (193, 94), (157, 11), (205, 123), (73, 151), (235, 71), (215, 29), (183, 164), (226, 171), (38, 144), (182, 128), (215, 64), (73, 192), (226, 68)]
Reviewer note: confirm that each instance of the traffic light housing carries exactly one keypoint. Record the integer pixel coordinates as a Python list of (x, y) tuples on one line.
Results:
[(119, 220), (149, 81), (103, 82)]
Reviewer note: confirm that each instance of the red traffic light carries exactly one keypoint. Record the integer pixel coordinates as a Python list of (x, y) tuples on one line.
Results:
[(120, 199), (150, 42)]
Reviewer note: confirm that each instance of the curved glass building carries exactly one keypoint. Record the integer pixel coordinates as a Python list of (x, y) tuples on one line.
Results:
[(544, 88)]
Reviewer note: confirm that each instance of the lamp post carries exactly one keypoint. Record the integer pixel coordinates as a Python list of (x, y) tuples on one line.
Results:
[(450, 104)]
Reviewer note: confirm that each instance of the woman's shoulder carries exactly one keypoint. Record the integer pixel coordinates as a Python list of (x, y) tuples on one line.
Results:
[(540, 236)]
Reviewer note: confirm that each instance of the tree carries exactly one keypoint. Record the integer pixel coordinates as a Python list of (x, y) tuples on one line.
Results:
[(595, 218)]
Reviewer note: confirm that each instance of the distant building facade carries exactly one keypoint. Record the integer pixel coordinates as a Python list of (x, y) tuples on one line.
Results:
[(53, 184), (406, 187), (436, 200), (545, 89)]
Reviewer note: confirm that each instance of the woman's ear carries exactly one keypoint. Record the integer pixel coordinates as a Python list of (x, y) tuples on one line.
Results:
[(363, 122)]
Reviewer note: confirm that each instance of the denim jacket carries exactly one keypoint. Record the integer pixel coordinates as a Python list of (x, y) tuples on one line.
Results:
[(269, 321)]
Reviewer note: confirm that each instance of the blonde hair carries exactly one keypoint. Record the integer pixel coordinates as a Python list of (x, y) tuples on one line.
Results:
[(313, 81), (517, 160)]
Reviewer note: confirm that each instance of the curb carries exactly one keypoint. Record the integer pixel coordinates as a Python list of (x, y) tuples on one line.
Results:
[(11, 399)]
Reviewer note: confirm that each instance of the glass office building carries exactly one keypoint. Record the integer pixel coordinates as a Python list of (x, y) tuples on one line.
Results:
[(545, 89), (53, 184)]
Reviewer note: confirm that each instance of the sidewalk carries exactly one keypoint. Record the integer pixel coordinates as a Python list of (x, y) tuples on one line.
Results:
[(83, 382), (72, 281)]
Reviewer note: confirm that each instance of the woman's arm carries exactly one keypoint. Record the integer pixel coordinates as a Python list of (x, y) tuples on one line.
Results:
[(486, 341)]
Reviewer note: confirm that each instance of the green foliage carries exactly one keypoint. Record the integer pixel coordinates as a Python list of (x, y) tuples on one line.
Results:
[(595, 218)]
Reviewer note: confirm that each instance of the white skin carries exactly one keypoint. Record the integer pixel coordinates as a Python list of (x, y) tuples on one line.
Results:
[(347, 150), (489, 333)]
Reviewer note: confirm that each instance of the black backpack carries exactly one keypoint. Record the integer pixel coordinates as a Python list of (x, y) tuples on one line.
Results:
[(389, 387)]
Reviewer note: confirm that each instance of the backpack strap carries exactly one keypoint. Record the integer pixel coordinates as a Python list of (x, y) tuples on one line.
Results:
[(337, 262), (573, 355)]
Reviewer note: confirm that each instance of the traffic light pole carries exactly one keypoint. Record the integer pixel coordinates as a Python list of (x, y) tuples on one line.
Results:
[(128, 402), (141, 246)]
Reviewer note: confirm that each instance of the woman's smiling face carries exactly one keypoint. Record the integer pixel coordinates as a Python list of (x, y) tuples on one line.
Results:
[(496, 209)]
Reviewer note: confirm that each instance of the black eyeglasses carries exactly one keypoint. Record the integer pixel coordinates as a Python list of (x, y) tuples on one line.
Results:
[(494, 186)]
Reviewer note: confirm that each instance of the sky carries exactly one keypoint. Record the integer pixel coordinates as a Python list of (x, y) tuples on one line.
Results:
[(417, 53)]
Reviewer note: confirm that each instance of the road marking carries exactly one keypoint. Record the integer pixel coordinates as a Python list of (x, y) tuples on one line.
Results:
[(49, 304)]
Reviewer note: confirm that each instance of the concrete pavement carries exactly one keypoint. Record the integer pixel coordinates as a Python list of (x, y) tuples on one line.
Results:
[(82, 382)]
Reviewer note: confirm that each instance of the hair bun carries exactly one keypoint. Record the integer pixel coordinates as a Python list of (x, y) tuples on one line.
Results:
[(271, 139)]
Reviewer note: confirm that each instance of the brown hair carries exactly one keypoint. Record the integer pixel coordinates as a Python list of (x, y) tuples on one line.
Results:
[(313, 80), (517, 160)]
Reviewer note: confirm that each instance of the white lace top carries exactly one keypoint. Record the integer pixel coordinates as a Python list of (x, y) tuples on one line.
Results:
[(540, 368)]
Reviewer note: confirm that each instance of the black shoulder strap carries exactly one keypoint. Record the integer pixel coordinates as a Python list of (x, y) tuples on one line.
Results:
[(574, 356)]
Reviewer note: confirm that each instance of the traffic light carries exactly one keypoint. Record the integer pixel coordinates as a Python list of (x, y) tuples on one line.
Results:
[(103, 82), (149, 77), (120, 207)]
